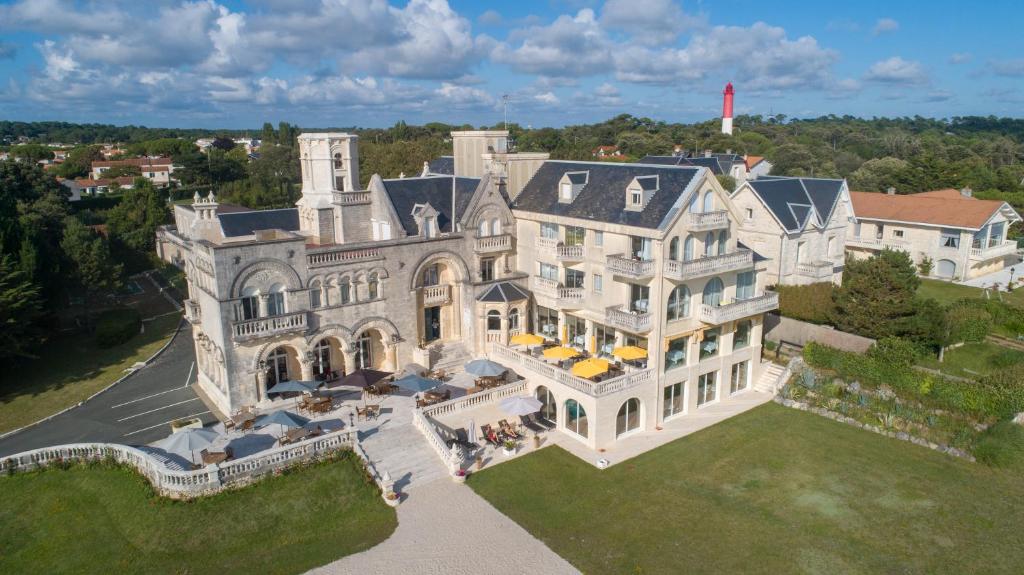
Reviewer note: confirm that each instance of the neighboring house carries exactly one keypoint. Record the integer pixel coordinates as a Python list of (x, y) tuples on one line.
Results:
[(800, 224), (757, 166), (91, 187), (74, 188), (157, 170), (964, 237), (606, 152)]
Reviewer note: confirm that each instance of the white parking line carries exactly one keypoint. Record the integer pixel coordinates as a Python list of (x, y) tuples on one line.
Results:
[(190, 369), (157, 409), (189, 376), (165, 423)]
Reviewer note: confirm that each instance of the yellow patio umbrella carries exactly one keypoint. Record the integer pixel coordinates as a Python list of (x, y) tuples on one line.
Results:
[(590, 367), (526, 339), (630, 352), (560, 352)]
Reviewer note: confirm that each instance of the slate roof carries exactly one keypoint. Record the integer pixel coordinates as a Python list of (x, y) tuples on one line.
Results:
[(790, 199), (443, 193), (235, 224), (443, 165), (603, 198), (503, 292), (664, 160), (713, 163)]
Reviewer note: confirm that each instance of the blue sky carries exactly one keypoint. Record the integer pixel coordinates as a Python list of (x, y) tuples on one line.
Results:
[(321, 63)]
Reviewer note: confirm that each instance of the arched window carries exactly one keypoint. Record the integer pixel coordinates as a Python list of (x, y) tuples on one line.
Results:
[(250, 301), (709, 201), (723, 238), (493, 320), (322, 359), (364, 351), (495, 227), (345, 289), (432, 275), (709, 244), (485, 228), (548, 407), (679, 303), (315, 293), (513, 319), (713, 292), (337, 161), (275, 300), (629, 417), (673, 249), (373, 286), (575, 418), (688, 248)]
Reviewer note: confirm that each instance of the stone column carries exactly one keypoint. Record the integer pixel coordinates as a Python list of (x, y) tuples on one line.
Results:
[(349, 357), (306, 368), (390, 357), (261, 385)]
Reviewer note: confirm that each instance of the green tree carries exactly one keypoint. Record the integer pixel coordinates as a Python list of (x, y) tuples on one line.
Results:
[(32, 153), (21, 309), (122, 171), (93, 270), (78, 162), (877, 297), (880, 174), (134, 221)]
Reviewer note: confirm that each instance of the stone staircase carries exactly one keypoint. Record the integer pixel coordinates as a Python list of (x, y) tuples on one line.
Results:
[(770, 374), (451, 356)]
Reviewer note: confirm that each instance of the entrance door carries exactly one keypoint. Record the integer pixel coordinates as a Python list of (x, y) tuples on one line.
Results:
[(432, 323), (946, 269)]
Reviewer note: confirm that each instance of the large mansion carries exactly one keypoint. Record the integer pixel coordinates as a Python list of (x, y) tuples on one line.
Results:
[(451, 264)]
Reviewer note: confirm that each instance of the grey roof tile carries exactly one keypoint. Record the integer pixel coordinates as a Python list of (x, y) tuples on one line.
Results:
[(235, 224), (443, 193), (504, 292)]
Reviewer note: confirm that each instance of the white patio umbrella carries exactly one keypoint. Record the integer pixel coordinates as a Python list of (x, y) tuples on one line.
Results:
[(188, 441), (471, 431), (520, 405)]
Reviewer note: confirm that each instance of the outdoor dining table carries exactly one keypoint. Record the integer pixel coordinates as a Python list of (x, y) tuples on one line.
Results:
[(240, 418), (210, 457)]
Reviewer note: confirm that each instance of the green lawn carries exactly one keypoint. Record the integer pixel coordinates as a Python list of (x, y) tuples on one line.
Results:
[(71, 368), (972, 359), (773, 490), (947, 292), (107, 520)]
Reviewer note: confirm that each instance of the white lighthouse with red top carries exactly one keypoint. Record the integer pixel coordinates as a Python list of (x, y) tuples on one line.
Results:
[(727, 109)]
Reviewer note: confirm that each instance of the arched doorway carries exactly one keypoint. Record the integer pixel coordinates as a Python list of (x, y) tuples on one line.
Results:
[(282, 364), (369, 350), (328, 360), (628, 418), (548, 406), (945, 269)]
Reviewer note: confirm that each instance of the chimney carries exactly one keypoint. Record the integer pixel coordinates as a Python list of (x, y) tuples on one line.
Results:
[(967, 192), (890, 191), (707, 153)]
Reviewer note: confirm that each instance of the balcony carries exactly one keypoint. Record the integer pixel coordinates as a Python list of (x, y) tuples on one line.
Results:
[(820, 271), (717, 315), (878, 244), (635, 322), (621, 265), (351, 198), (706, 221), (270, 326), (995, 251), (517, 360), (493, 244), (339, 257), (563, 253), (563, 297), (713, 265), (436, 295), (193, 313)]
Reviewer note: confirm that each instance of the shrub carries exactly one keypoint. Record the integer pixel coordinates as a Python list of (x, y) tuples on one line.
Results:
[(1001, 445), (116, 326), (811, 302), (895, 351), (968, 323), (924, 267)]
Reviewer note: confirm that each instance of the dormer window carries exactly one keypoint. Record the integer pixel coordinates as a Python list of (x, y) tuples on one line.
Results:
[(640, 191), (428, 220), (571, 185), (565, 194)]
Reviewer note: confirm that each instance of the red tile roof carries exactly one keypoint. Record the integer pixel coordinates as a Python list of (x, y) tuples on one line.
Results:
[(935, 208), (753, 161), (132, 162)]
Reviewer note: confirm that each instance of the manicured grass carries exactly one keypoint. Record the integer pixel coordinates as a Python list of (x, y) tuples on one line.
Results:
[(773, 490), (107, 520), (69, 369), (973, 359), (947, 292)]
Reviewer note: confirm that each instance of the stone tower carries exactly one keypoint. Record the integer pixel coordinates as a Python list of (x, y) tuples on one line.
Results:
[(330, 165)]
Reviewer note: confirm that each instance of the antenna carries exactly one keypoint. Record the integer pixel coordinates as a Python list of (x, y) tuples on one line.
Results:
[(504, 102)]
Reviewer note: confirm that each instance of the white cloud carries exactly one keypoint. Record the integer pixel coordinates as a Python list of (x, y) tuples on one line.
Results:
[(649, 22), (960, 57), (570, 46), (885, 26), (464, 96), (548, 98), (938, 96), (490, 18), (1010, 68), (896, 70)]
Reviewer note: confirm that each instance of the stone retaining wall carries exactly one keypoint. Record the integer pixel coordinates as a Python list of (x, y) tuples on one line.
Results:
[(778, 328)]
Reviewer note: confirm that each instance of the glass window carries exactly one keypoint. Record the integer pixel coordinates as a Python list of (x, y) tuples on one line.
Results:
[(373, 286), (432, 275), (745, 285), (598, 283), (576, 331), (364, 351), (277, 367), (636, 197), (566, 191), (575, 418), (741, 337), (574, 235), (574, 278), (485, 229), (496, 227), (950, 239), (688, 248), (800, 252), (856, 229), (549, 272), (549, 231), (598, 238), (314, 295), (750, 213), (673, 249), (322, 359), (604, 339), (493, 320), (275, 302), (673, 400), (345, 288), (547, 321), (487, 269), (710, 343), (694, 204), (709, 244), (709, 201), (628, 418), (250, 307), (723, 239), (639, 298), (679, 303), (513, 319), (640, 247), (548, 407), (739, 379), (897, 233), (713, 292), (706, 387), (675, 356), (996, 236), (831, 246)]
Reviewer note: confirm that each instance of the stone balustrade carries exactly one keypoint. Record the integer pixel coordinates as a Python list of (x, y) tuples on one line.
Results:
[(705, 221), (333, 257), (998, 250), (561, 252), (471, 401), (565, 297), (635, 322), (493, 244), (184, 484), (878, 243), (621, 265), (815, 270), (712, 265), (510, 357), (351, 198), (717, 315), (437, 295), (270, 326)]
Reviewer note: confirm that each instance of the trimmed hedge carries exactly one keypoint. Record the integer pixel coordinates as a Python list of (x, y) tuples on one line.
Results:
[(812, 302), (116, 326), (999, 395)]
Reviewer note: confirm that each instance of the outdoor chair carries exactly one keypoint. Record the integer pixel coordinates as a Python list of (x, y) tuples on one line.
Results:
[(489, 435), (247, 425), (508, 429), (531, 425)]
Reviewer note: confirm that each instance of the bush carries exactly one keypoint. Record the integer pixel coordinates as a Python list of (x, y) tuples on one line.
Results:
[(811, 302), (1001, 445), (116, 326), (968, 323), (895, 351)]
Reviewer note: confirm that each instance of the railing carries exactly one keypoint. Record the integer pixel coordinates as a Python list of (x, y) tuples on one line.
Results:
[(448, 456), (474, 400), (1003, 249), (493, 244), (318, 259), (815, 270), (635, 322), (621, 265), (738, 260), (193, 312), (704, 221), (506, 355), (561, 252), (437, 295), (186, 483), (268, 326), (744, 308), (565, 296), (878, 243), (494, 337), (350, 198)]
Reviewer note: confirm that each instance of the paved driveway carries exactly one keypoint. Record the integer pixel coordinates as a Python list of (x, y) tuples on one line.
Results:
[(134, 412)]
